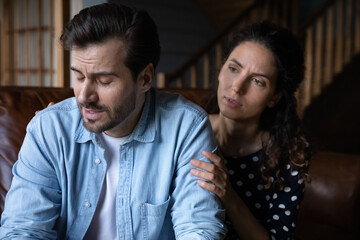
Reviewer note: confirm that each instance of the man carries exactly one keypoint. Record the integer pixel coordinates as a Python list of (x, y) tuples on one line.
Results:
[(113, 162)]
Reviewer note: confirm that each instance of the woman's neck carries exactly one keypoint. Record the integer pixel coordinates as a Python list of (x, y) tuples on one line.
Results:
[(236, 138)]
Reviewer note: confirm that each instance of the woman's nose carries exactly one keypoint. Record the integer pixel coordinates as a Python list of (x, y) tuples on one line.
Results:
[(240, 84)]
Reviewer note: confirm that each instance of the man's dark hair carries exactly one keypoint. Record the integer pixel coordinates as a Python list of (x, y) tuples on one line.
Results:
[(98, 23)]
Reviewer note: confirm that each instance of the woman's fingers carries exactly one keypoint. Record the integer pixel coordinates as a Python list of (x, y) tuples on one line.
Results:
[(211, 156), (206, 175), (213, 175), (211, 187), (215, 158), (209, 167), (50, 104)]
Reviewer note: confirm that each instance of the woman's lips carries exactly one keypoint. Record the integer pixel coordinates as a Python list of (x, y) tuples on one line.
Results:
[(231, 102)]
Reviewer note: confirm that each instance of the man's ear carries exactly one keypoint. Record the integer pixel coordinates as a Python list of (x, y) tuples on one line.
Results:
[(274, 100), (145, 77)]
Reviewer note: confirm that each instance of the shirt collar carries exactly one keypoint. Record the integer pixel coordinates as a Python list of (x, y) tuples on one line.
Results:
[(144, 130)]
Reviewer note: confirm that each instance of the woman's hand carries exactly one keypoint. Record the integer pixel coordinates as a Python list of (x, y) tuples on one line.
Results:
[(245, 224), (50, 104), (215, 172)]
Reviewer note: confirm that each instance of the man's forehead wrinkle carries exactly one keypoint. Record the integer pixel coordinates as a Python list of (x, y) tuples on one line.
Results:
[(87, 58), (89, 66)]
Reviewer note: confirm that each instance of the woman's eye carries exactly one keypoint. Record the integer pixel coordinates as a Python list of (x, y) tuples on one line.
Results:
[(232, 69), (259, 82)]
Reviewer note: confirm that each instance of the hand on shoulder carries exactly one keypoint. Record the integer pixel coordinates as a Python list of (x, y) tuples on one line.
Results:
[(50, 104)]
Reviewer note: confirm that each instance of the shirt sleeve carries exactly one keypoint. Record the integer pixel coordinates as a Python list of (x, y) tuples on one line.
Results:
[(33, 202), (284, 207), (196, 213)]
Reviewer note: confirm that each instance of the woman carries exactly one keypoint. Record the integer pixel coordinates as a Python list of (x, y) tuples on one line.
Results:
[(263, 157)]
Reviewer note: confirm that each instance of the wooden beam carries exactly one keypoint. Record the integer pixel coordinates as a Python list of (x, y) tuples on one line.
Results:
[(62, 15), (15, 64), (266, 9), (275, 12), (193, 76), (218, 57), (206, 70), (329, 47), (309, 69), (284, 14), (27, 39), (30, 70), (357, 28), (22, 29), (40, 60), (160, 80), (348, 34), (294, 9), (51, 45), (179, 82), (318, 73), (5, 49), (339, 45)]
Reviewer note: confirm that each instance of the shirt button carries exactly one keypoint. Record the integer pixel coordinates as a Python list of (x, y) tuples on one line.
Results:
[(97, 161), (87, 204)]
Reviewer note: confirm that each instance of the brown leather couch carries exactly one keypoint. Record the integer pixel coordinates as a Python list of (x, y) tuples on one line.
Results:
[(331, 207)]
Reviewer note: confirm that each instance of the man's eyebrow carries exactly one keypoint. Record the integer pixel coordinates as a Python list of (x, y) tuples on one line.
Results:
[(96, 73), (75, 70)]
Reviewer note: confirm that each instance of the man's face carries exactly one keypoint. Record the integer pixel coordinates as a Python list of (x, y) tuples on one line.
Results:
[(109, 99)]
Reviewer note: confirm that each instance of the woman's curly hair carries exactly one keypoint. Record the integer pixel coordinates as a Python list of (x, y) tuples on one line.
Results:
[(286, 145)]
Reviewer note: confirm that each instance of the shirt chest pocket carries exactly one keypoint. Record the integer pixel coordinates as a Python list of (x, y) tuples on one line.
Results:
[(152, 219)]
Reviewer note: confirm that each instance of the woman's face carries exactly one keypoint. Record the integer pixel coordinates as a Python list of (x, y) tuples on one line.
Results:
[(247, 82)]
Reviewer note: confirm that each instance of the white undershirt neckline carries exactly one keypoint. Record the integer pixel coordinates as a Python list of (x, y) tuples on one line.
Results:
[(103, 224)]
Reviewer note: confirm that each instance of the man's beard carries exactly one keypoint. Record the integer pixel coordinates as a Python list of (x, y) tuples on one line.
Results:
[(116, 116)]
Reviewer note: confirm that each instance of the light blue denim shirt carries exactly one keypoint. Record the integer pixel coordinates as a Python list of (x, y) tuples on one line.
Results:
[(61, 168)]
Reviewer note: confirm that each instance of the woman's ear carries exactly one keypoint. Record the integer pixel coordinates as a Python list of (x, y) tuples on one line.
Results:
[(274, 100), (145, 77)]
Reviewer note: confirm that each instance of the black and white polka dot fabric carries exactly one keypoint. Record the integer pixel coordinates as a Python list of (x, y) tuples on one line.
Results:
[(276, 210)]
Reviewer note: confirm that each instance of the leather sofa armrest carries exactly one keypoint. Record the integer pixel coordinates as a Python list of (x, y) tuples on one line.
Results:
[(331, 205)]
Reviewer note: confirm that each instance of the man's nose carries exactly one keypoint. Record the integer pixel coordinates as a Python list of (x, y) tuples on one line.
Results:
[(87, 92)]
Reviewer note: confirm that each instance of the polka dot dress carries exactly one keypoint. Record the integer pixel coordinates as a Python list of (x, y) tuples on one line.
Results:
[(276, 210)]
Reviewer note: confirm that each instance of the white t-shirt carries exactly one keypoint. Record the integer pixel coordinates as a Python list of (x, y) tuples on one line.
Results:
[(103, 224)]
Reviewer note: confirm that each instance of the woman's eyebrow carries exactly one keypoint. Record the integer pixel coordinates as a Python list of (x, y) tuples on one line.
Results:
[(254, 73), (236, 62)]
